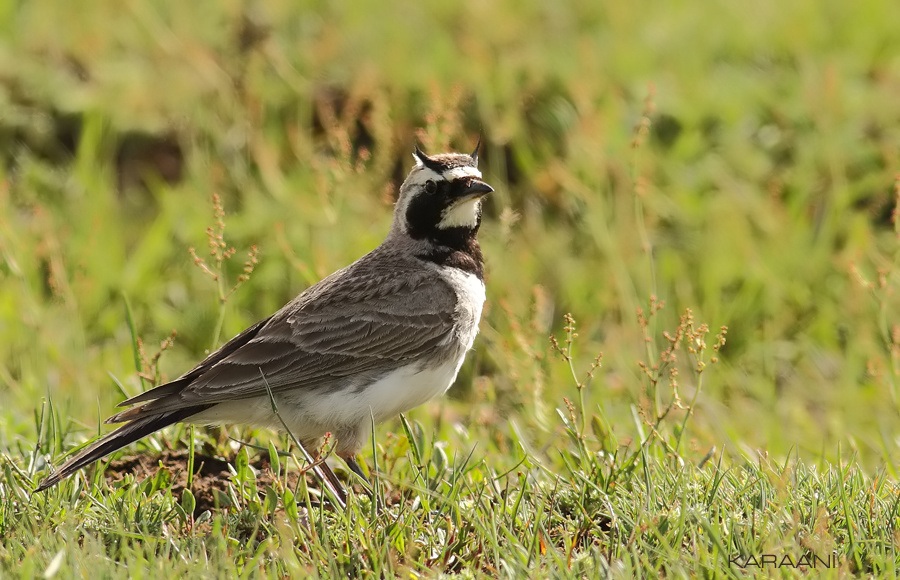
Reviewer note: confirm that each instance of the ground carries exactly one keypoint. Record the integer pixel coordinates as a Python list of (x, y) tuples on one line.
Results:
[(688, 362)]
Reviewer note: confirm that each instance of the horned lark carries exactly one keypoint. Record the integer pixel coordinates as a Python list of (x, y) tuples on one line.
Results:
[(372, 340)]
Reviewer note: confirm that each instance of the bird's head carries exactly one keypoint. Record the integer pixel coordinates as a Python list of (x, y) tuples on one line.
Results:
[(441, 197)]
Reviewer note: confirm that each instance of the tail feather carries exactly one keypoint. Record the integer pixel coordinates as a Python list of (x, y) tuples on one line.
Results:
[(136, 429)]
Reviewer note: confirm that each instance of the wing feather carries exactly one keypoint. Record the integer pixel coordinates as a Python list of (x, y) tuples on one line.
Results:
[(364, 324)]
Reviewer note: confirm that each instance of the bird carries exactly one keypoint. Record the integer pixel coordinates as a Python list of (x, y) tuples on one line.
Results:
[(372, 340)]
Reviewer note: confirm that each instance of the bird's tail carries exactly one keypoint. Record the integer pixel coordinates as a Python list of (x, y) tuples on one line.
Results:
[(128, 433)]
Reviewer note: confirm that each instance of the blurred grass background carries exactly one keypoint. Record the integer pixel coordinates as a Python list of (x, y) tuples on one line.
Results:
[(736, 159)]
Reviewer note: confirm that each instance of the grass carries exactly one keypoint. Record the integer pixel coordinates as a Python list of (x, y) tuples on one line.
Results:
[(662, 172)]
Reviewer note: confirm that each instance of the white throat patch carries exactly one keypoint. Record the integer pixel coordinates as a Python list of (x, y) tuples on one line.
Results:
[(463, 214)]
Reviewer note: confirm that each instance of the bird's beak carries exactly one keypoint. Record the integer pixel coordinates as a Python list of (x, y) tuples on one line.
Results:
[(477, 188)]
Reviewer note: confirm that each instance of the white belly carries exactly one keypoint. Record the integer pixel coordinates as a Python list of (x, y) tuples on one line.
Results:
[(397, 392)]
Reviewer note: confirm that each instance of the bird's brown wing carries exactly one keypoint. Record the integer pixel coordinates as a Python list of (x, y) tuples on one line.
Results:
[(346, 326)]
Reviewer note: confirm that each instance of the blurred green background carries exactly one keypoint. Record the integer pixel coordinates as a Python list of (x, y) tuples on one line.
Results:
[(736, 159)]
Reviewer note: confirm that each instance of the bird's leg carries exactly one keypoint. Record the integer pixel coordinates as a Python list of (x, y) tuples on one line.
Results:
[(351, 462), (325, 473), (321, 469), (354, 466)]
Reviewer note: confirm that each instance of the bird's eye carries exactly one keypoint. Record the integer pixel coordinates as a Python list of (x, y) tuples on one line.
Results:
[(430, 186)]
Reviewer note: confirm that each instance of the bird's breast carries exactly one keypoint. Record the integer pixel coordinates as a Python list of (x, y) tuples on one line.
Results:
[(470, 296)]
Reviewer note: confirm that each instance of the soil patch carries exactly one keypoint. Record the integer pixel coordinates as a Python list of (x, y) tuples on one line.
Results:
[(212, 475)]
